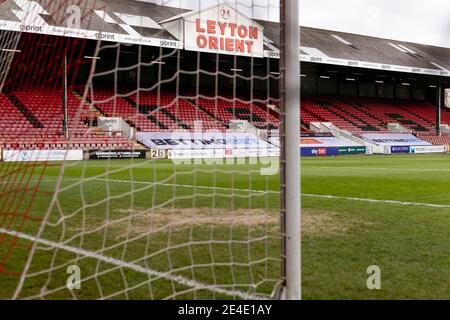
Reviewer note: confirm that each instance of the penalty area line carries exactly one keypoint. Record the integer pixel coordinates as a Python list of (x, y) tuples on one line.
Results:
[(135, 267), (396, 202), (323, 196), (403, 203)]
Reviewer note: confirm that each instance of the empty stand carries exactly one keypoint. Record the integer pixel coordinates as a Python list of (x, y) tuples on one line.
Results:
[(226, 109), (366, 115), (32, 118), (45, 105), (436, 140), (177, 112)]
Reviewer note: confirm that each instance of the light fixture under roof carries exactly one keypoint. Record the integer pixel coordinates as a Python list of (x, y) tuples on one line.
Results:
[(406, 48), (397, 47), (92, 57), (350, 79), (324, 77), (405, 84), (340, 39), (379, 81), (437, 65)]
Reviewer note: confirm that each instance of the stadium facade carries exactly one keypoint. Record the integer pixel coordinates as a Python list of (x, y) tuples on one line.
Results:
[(167, 68)]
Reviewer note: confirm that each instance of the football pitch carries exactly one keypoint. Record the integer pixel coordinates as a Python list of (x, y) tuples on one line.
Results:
[(147, 229)]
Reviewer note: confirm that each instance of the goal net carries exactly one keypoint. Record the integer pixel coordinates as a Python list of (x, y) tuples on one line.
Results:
[(137, 168)]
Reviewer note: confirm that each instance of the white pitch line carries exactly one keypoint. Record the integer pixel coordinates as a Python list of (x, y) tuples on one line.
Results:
[(403, 203), (38, 180), (380, 168), (397, 202), (190, 186), (323, 196), (135, 267)]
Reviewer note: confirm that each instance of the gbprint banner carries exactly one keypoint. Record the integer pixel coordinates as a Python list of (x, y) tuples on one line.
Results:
[(352, 150)]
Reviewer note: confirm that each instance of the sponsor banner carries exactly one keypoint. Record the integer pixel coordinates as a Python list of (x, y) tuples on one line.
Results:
[(222, 29), (44, 17), (42, 155), (395, 139), (316, 135), (362, 64), (201, 140), (352, 150), (116, 154), (318, 152), (428, 149), (222, 153), (400, 149)]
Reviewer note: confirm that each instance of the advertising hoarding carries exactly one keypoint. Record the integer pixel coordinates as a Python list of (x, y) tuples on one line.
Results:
[(318, 152), (116, 154), (42, 155)]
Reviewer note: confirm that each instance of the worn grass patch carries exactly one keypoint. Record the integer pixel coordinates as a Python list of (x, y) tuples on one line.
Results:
[(136, 222)]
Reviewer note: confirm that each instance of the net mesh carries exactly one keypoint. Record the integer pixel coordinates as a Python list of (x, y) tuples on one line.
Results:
[(152, 228)]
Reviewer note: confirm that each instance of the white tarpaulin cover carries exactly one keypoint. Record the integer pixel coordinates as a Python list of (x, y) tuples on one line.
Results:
[(395, 139), (318, 142), (206, 140)]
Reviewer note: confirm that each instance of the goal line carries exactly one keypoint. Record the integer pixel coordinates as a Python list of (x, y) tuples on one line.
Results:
[(132, 266)]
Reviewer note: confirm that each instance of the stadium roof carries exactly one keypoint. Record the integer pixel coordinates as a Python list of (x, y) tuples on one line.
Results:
[(129, 21)]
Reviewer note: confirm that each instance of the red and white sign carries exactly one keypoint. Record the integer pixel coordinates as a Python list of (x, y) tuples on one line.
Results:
[(221, 29)]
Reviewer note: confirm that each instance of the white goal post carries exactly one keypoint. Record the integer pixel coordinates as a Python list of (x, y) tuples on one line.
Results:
[(290, 137)]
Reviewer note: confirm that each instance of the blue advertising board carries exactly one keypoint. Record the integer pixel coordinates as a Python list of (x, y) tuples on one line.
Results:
[(318, 151), (400, 149)]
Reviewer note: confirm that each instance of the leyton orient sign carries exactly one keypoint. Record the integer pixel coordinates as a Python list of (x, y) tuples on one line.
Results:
[(221, 29)]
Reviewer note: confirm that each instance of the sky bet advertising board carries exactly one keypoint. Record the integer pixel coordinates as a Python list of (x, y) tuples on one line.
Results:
[(318, 152)]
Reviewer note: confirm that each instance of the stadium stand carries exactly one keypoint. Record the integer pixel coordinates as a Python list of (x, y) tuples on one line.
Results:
[(365, 115), (180, 112), (148, 112), (111, 105), (32, 119), (227, 109), (436, 140), (34, 116), (390, 112)]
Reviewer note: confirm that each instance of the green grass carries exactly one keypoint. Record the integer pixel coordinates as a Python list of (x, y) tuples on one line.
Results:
[(145, 212)]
